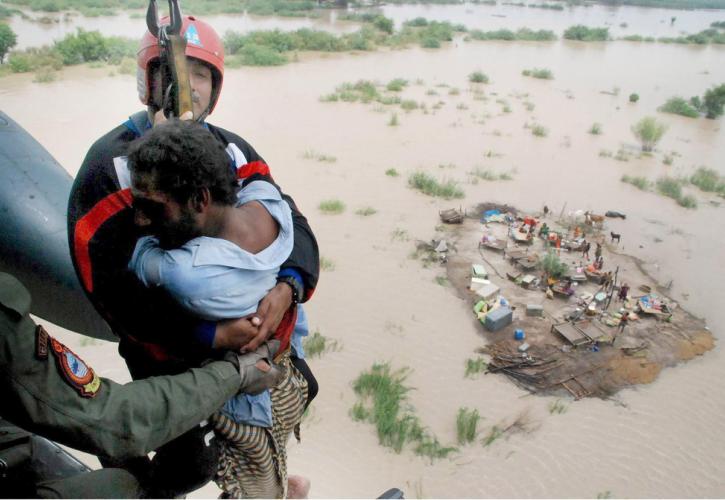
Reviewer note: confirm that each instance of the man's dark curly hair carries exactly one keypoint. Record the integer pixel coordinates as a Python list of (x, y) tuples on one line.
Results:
[(183, 157)]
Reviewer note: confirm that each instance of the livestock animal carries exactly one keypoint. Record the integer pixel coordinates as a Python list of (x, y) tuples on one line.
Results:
[(615, 236)]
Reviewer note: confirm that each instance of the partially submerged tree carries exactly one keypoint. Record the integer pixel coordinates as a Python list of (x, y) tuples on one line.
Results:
[(8, 40), (713, 101), (649, 131)]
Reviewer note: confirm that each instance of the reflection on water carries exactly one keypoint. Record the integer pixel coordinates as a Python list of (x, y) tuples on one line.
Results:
[(621, 20)]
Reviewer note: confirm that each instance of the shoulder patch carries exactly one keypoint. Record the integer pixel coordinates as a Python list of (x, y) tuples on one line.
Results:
[(41, 343), (76, 372)]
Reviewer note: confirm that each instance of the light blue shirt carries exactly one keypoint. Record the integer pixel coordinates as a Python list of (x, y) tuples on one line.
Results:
[(215, 279)]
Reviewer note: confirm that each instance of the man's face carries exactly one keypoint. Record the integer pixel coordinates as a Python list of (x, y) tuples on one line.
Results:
[(200, 79), (173, 223)]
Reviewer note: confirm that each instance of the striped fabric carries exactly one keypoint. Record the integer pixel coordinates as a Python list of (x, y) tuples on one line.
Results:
[(253, 462)]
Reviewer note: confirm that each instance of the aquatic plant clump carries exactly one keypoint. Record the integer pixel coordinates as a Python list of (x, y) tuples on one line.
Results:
[(523, 34), (585, 34), (708, 180), (541, 73), (679, 106), (637, 181), (383, 395), (649, 132), (466, 424), (332, 207), (428, 185), (478, 77)]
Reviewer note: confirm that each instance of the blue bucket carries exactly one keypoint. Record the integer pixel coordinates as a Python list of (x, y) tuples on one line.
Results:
[(519, 334)]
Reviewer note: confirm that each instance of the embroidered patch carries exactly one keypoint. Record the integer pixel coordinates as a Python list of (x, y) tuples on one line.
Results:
[(76, 372), (41, 343)]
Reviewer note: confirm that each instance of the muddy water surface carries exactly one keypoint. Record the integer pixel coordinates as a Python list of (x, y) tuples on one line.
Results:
[(659, 440)]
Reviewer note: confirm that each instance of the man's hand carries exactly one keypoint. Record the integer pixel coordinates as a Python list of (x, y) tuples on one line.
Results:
[(232, 334), (269, 314)]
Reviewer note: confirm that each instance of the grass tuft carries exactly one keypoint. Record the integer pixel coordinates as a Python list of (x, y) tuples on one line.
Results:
[(317, 344), (475, 366), (365, 211), (383, 398), (637, 181), (541, 73), (441, 189), (466, 423), (332, 207)]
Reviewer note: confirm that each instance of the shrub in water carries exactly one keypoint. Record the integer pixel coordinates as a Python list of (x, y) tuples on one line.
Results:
[(633, 97), (679, 106), (586, 34), (649, 131), (478, 77)]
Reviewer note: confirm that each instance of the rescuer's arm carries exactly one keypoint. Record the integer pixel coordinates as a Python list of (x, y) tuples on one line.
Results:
[(43, 395)]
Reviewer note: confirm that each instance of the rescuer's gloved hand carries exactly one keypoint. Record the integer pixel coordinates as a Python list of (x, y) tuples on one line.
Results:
[(257, 368)]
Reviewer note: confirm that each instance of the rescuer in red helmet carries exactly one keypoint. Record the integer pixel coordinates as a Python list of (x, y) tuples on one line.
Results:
[(205, 57), (102, 236)]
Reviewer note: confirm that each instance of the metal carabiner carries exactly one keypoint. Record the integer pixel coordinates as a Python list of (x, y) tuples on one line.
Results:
[(152, 20)]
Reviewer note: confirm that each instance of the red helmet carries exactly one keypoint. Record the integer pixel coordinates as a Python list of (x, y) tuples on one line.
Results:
[(202, 43)]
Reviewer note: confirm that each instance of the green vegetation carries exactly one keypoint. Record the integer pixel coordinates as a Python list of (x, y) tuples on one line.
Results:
[(8, 40), (314, 155), (638, 182), (392, 172), (396, 85), (557, 406), (586, 34), (672, 188), (332, 207), (475, 366), (399, 234), (713, 101), (489, 175), (478, 77), (327, 264), (704, 37), (366, 211), (466, 423), (317, 344), (393, 122), (493, 434), (595, 129), (408, 105), (638, 38), (649, 132), (633, 97), (542, 73), (383, 397), (718, 25), (524, 34), (708, 180), (441, 280), (553, 266), (76, 48), (679, 106), (446, 189), (539, 130)]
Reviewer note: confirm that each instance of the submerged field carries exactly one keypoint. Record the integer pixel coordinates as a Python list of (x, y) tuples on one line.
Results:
[(353, 167)]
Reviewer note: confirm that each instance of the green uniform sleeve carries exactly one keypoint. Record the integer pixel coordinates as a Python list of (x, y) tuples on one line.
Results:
[(119, 421)]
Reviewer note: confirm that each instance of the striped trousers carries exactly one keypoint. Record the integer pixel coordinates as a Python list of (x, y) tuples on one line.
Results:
[(253, 460)]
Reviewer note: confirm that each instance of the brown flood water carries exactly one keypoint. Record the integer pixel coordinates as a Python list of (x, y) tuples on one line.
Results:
[(660, 440)]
